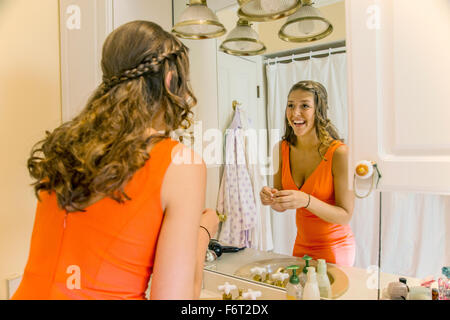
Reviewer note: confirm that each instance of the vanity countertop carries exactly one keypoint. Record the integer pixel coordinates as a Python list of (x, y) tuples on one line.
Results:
[(363, 283)]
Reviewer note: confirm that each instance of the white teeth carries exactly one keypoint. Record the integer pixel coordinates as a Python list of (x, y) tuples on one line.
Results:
[(299, 122)]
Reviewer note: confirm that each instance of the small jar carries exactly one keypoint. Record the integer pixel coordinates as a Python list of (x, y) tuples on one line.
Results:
[(419, 293), (434, 294), (398, 290)]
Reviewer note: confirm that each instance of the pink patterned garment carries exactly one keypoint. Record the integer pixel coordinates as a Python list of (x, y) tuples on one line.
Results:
[(236, 198)]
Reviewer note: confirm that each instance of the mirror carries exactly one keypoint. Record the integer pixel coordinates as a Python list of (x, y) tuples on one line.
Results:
[(260, 84)]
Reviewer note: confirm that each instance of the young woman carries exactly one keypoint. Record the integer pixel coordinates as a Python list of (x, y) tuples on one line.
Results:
[(110, 214), (312, 178)]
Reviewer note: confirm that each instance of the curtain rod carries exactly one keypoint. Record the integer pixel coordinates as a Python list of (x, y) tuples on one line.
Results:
[(305, 55)]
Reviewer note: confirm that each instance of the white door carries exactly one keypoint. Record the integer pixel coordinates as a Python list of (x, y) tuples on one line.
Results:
[(399, 80), (236, 81), (84, 26)]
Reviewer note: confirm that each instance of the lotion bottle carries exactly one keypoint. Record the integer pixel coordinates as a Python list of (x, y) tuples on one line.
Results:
[(323, 280), (302, 275), (294, 289), (311, 289)]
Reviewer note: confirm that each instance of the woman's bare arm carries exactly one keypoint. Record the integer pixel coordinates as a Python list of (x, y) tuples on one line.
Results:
[(277, 160), (344, 197), (210, 221), (183, 197)]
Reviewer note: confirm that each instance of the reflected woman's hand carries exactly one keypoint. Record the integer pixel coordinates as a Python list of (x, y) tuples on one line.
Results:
[(266, 195), (291, 199)]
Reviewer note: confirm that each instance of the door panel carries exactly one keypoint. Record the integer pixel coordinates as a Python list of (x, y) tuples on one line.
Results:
[(236, 81), (399, 75)]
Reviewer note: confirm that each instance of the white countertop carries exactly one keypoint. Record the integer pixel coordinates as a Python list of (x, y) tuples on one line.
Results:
[(363, 284)]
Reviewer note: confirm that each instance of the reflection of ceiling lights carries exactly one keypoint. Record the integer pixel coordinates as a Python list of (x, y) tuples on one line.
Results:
[(242, 41), (266, 10), (198, 22), (306, 25)]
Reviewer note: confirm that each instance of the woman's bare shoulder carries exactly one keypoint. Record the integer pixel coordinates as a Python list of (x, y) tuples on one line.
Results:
[(185, 156), (185, 176), (340, 157)]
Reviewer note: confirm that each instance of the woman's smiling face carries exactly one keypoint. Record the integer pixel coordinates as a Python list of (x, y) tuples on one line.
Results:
[(300, 112)]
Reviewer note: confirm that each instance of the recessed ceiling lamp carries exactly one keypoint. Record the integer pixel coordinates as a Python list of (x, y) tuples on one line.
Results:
[(306, 25), (243, 41), (198, 22), (267, 10)]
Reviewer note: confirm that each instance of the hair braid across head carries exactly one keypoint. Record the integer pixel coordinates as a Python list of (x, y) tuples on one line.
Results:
[(149, 65)]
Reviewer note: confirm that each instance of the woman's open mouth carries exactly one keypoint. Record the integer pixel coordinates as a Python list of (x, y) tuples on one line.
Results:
[(299, 124)]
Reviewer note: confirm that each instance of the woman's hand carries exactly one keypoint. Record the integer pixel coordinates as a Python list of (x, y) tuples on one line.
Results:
[(266, 195), (210, 221), (291, 199)]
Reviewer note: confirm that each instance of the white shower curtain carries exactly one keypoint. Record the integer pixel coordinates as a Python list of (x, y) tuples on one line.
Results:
[(415, 234), (415, 228), (330, 71)]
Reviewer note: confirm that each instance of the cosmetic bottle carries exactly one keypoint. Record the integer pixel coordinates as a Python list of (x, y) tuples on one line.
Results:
[(302, 275), (311, 289), (323, 280), (434, 294), (398, 290), (294, 289), (419, 293), (444, 284)]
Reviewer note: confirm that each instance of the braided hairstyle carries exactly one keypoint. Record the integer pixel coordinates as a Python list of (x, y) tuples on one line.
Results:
[(95, 154), (325, 130)]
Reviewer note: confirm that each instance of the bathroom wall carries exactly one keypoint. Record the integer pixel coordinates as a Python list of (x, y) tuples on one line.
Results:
[(30, 103), (157, 11), (203, 63)]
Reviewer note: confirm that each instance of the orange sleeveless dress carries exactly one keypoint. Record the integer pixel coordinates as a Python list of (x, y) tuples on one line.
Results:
[(110, 248), (316, 237)]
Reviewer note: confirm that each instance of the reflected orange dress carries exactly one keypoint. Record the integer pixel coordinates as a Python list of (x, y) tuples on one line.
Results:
[(316, 237), (104, 253)]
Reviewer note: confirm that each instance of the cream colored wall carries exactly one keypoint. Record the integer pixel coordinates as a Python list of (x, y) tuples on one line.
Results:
[(202, 57), (157, 11), (30, 103), (268, 31)]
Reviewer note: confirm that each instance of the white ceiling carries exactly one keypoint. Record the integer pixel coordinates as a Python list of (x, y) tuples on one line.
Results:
[(216, 5)]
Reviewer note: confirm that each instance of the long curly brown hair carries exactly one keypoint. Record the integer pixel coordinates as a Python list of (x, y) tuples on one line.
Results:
[(95, 154), (325, 130)]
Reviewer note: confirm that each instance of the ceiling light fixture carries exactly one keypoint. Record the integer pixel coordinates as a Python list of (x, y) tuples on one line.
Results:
[(267, 10), (243, 41), (198, 22), (306, 25)]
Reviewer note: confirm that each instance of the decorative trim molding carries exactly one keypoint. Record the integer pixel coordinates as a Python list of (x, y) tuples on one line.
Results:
[(81, 52)]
